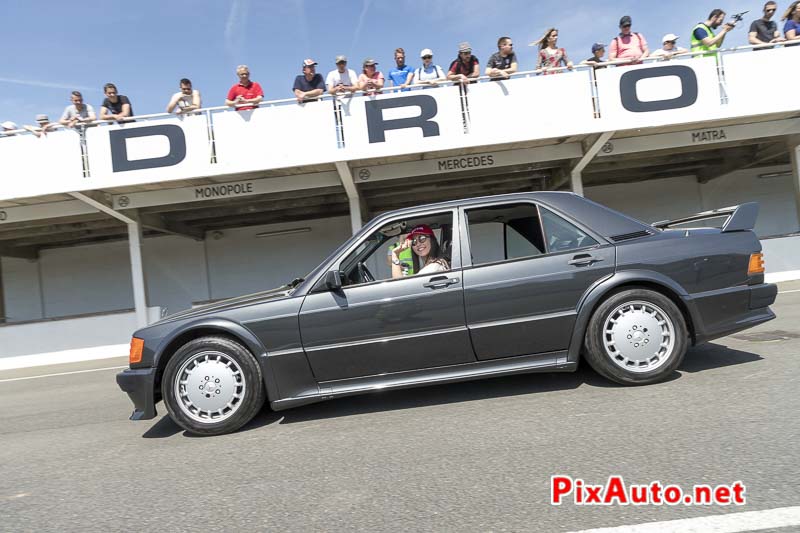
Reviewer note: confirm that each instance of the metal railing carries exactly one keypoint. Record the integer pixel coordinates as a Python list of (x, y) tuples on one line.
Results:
[(416, 86)]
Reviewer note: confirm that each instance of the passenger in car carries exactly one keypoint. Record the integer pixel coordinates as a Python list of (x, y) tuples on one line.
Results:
[(427, 257)]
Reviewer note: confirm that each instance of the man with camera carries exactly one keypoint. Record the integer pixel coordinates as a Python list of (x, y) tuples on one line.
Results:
[(703, 37)]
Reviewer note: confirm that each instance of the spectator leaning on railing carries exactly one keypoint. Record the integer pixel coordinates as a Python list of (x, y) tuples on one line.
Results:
[(341, 79), (371, 80), (428, 73), (791, 30), (186, 100), (598, 50), (669, 47), (550, 56), (765, 30), (7, 127), (628, 45), (503, 63), (246, 94), (77, 113), (465, 68), (44, 126), (703, 37), (115, 106), (309, 85), (402, 74)]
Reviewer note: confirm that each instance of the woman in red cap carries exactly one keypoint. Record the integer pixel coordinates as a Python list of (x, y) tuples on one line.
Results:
[(427, 255)]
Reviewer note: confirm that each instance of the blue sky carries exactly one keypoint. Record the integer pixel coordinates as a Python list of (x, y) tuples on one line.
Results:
[(144, 47)]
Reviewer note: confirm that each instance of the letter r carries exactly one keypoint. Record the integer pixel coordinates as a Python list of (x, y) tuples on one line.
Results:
[(377, 126)]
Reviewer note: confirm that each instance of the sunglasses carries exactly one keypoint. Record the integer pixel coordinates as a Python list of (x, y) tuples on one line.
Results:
[(465, 53), (422, 239), (625, 26), (427, 57)]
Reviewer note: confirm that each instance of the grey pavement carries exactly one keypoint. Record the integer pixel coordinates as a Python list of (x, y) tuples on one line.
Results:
[(472, 456)]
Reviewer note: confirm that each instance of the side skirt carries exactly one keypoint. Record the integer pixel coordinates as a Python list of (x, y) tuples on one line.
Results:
[(549, 362)]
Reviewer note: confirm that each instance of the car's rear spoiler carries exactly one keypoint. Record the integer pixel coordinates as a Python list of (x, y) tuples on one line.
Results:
[(740, 217)]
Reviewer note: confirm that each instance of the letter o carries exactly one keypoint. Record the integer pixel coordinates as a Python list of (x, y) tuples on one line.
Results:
[(630, 99), (3, 215)]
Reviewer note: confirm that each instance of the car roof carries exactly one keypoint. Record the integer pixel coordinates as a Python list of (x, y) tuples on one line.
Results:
[(605, 221)]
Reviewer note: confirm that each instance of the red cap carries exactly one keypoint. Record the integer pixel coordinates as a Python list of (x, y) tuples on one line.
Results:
[(422, 229)]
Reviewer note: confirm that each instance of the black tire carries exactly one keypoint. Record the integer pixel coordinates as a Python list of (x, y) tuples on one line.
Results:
[(619, 333), (215, 371)]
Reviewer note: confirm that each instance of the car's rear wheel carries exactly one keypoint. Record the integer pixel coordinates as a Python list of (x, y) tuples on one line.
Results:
[(212, 385), (636, 336)]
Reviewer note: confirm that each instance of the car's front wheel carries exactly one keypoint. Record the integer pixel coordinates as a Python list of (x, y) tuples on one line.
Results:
[(636, 336), (212, 385)]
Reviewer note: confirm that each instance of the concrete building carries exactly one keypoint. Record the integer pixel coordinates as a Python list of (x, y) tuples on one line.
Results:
[(105, 230)]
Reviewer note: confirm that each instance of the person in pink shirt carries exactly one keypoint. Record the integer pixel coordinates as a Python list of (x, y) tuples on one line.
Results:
[(371, 81), (628, 45)]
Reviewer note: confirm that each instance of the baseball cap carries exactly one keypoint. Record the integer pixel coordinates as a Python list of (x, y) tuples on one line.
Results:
[(598, 46), (341, 59), (8, 125), (42, 118), (422, 229), (464, 47), (309, 63), (624, 21), (426, 52), (370, 61), (669, 37)]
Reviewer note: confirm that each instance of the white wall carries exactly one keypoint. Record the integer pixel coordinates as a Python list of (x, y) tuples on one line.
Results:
[(97, 278), (21, 291), (241, 263)]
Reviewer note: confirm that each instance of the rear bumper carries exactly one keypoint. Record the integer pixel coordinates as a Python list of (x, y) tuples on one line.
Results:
[(139, 384), (726, 311)]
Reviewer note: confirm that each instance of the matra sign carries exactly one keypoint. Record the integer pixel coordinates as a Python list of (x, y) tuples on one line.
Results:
[(641, 92)]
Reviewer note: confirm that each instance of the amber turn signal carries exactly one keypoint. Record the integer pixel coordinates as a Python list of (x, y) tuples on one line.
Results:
[(756, 265), (137, 345)]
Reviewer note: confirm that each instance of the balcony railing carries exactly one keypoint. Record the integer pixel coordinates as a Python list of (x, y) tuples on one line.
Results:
[(283, 134)]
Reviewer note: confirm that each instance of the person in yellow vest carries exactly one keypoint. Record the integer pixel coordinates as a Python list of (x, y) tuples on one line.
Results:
[(703, 37)]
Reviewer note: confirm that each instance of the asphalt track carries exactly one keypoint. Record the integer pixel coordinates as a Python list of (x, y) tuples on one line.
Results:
[(464, 457)]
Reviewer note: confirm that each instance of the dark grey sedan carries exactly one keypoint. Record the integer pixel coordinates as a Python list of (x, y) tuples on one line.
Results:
[(461, 290)]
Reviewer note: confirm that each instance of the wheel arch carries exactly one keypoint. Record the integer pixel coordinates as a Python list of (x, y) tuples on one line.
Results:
[(620, 282), (218, 328)]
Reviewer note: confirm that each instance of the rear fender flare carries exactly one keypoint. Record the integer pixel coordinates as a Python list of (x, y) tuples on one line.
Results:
[(598, 292)]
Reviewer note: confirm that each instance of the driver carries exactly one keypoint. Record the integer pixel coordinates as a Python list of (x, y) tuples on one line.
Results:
[(427, 256)]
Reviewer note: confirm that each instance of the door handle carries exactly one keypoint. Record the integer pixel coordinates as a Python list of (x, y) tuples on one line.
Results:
[(583, 260), (440, 282)]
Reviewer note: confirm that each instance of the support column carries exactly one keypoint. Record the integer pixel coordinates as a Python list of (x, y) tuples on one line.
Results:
[(2, 296), (794, 153), (576, 177), (356, 219), (135, 248)]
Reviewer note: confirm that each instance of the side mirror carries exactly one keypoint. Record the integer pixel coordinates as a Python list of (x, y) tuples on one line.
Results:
[(333, 280)]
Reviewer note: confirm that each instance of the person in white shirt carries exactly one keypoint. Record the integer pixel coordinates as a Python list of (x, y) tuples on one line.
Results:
[(342, 80), (187, 100), (428, 73), (428, 258), (668, 48)]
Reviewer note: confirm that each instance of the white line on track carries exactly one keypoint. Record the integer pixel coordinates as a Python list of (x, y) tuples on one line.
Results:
[(726, 523), (784, 292), (63, 373)]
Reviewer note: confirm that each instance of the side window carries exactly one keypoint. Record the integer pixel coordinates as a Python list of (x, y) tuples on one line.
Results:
[(561, 235), (372, 259), (505, 232)]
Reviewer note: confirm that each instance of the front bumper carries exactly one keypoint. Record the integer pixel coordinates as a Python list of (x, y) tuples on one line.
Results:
[(139, 384)]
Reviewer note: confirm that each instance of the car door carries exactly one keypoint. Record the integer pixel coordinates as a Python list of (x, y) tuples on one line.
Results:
[(523, 283), (388, 325)]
